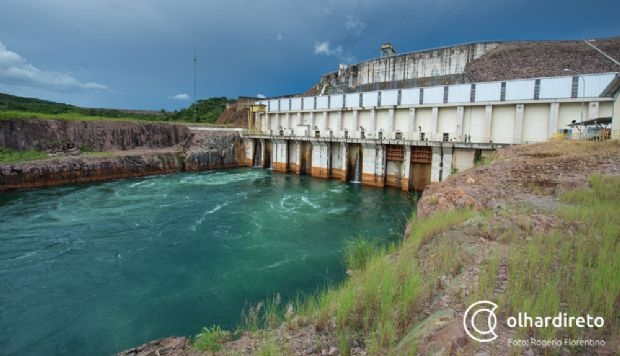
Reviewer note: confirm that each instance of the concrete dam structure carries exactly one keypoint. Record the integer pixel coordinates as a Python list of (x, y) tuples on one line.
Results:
[(408, 137)]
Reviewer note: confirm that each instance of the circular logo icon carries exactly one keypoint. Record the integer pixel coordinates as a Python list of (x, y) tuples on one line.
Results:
[(480, 321)]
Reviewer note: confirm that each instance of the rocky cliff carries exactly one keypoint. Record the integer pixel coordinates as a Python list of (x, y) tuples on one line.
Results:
[(69, 170), (40, 134), (127, 149)]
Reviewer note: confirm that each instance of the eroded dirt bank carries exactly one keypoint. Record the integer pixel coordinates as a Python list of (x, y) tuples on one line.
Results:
[(92, 151)]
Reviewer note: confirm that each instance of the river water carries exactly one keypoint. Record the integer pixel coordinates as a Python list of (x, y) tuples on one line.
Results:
[(95, 269)]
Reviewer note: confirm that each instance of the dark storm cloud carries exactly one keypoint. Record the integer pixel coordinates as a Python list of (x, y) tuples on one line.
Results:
[(142, 50)]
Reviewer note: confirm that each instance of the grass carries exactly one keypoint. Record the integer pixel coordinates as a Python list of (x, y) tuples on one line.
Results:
[(358, 251), (211, 339), (571, 269), (72, 116), (379, 303), (14, 156)]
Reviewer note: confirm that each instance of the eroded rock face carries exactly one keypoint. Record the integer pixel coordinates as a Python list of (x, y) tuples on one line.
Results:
[(70, 170), (214, 149), (42, 135), (134, 149)]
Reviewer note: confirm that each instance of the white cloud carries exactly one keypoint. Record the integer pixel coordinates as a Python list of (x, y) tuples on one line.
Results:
[(325, 48), (180, 97), (15, 70), (261, 96), (354, 25)]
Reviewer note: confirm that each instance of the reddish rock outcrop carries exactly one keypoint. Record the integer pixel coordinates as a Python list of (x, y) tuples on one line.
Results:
[(133, 149), (70, 170)]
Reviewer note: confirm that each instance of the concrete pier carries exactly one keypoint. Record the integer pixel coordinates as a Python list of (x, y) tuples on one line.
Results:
[(408, 165)]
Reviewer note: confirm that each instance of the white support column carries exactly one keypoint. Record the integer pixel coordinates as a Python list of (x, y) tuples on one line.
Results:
[(248, 144), (356, 120), (406, 168), (518, 128), (434, 124), (391, 122), (413, 125), (446, 163), (324, 125), (460, 113), (287, 121), (340, 171), (593, 110), (279, 160), (554, 114), (320, 159), (373, 166), (299, 123), (295, 157), (373, 121), (436, 165), (615, 119), (276, 123), (339, 121), (488, 118)]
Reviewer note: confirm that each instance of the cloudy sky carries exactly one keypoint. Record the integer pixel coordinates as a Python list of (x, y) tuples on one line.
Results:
[(139, 54)]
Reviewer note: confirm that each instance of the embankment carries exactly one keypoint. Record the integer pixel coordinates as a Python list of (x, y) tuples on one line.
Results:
[(92, 151)]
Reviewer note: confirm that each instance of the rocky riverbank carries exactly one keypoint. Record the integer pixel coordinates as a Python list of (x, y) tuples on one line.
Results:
[(92, 151)]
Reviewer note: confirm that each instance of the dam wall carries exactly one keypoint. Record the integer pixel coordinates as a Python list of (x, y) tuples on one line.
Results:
[(445, 63), (409, 138)]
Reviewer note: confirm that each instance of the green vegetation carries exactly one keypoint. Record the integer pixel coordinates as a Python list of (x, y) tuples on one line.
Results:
[(13, 156), (206, 111), (379, 302), (211, 339), (571, 269), (12, 107), (358, 252)]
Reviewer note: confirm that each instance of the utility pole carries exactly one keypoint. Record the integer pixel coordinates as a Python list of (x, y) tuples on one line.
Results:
[(195, 99)]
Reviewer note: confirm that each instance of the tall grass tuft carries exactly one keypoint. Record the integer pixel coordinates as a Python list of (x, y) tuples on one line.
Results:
[(358, 251)]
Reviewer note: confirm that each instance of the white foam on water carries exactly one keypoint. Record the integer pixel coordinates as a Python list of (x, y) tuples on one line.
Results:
[(307, 201), (202, 218)]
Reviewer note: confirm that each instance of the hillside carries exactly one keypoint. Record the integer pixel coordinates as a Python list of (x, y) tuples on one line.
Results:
[(203, 111), (12, 103), (516, 60)]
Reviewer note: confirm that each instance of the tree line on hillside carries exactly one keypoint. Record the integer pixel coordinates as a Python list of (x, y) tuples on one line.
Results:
[(203, 111)]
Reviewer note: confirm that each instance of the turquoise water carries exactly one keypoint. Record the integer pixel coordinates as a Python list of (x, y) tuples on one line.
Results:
[(95, 269)]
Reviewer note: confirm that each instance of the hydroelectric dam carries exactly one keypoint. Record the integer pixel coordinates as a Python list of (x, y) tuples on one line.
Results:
[(387, 122)]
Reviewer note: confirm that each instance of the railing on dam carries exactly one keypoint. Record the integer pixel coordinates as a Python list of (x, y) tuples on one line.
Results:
[(474, 143), (567, 87)]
